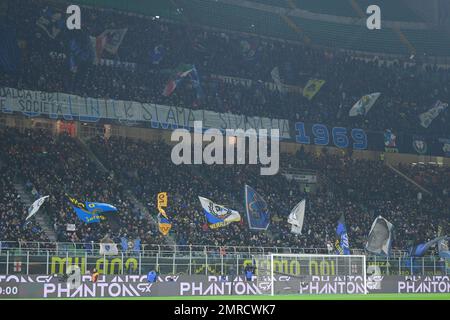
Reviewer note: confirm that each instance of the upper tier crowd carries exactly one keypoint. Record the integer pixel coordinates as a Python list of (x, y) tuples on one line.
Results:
[(407, 89)]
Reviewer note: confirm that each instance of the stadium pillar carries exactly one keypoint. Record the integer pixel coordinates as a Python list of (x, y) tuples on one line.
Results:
[(157, 262), (206, 262), (67, 260), (190, 260), (173, 264), (28, 262), (387, 266), (237, 265), (434, 265), (122, 262), (411, 265), (104, 264), (48, 260), (337, 267), (423, 265), (140, 264), (7, 261), (221, 261)]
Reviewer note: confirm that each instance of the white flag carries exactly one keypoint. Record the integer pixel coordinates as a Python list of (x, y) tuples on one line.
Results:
[(275, 73), (380, 237), (35, 207), (364, 104), (218, 215), (108, 249), (296, 217), (427, 117)]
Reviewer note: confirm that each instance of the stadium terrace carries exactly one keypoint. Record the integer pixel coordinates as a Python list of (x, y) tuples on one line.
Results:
[(135, 158)]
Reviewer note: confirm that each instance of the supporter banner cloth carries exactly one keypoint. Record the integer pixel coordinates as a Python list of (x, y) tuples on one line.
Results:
[(217, 215), (35, 207), (258, 214), (364, 104), (296, 217), (380, 237), (85, 109)]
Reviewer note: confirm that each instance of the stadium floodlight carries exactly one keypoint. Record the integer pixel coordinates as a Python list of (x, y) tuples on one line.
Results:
[(287, 274)]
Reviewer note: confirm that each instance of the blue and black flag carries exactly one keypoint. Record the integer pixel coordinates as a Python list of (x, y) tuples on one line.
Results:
[(257, 210), (90, 212), (342, 244)]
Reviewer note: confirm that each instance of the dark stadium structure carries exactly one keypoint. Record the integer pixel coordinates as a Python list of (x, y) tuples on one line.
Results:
[(389, 164)]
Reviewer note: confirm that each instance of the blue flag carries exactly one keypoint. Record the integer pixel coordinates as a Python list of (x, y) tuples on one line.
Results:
[(195, 78), (91, 212), (420, 249), (130, 245), (157, 54), (137, 245), (342, 244), (124, 243), (257, 211), (80, 51), (9, 50)]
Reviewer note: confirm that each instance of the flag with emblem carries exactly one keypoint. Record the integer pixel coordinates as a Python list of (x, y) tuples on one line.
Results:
[(164, 223), (312, 87), (363, 105)]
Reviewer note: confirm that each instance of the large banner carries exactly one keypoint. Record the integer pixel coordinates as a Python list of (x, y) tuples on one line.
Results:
[(42, 286), (217, 215), (73, 107), (380, 237), (258, 214), (358, 139), (296, 217), (85, 109)]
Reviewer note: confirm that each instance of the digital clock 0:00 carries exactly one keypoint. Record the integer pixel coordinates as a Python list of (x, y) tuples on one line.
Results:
[(9, 290)]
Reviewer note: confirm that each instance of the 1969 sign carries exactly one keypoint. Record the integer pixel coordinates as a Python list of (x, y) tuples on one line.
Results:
[(321, 136)]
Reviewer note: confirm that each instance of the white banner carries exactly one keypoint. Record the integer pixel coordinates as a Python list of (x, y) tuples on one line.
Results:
[(380, 237), (306, 178), (35, 207), (108, 249), (70, 227), (277, 79), (427, 117), (297, 216), (218, 215), (247, 82), (73, 107), (364, 104)]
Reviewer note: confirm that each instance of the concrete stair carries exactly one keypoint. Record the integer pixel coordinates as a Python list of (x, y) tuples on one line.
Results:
[(143, 209)]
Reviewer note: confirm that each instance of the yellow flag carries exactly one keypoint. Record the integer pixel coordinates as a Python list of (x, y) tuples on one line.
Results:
[(312, 87), (163, 220), (162, 200)]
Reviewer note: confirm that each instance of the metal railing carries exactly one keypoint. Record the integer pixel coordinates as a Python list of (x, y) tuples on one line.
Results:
[(93, 248), (200, 262)]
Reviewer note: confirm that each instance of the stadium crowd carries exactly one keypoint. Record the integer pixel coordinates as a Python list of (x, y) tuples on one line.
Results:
[(61, 165), (387, 194), (54, 166), (433, 177), (13, 212), (64, 64)]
